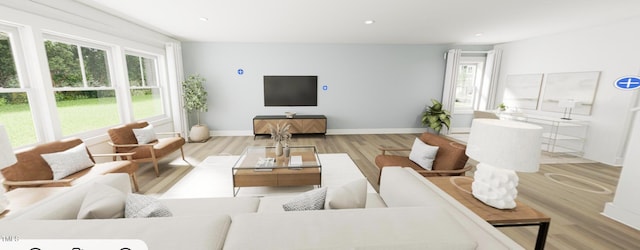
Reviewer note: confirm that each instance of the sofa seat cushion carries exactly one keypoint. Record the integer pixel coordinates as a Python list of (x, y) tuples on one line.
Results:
[(168, 233), (383, 228), (211, 206)]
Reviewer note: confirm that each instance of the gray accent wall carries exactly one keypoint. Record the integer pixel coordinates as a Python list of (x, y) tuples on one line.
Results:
[(370, 87)]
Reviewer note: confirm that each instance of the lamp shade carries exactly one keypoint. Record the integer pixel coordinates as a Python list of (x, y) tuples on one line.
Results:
[(7, 157), (505, 144)]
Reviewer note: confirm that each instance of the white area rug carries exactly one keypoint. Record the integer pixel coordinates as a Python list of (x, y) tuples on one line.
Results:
[(212, 178)]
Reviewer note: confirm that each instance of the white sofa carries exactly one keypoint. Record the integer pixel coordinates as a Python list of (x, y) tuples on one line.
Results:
[(409, 213)]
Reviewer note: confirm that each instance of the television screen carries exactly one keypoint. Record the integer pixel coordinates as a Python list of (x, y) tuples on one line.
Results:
[(290, 91)]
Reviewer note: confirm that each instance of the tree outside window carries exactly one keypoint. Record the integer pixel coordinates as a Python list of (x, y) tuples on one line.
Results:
[(85, 98)]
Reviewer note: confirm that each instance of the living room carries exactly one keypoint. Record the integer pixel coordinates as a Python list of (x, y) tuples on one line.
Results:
[(371, 88)]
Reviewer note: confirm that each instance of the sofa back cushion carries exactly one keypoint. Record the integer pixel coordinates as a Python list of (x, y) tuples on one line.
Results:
[(382, 228), (404, 187), (31, 166), (123, 134), (168, 233), (451, 155)]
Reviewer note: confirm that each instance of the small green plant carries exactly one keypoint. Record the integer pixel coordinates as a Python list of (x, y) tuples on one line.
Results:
[(502, 107), (435, 117), (195, 96)]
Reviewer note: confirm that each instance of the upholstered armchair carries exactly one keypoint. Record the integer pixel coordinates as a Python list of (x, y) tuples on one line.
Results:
[(450, 159), (33, 168), (139, 138)]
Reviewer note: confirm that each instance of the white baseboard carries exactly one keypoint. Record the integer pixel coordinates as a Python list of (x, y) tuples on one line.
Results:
[(622, 215), (330, 131)]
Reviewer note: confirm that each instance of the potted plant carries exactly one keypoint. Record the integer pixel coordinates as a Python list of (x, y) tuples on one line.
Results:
[(502, 107), (195, 99), (435, 117)]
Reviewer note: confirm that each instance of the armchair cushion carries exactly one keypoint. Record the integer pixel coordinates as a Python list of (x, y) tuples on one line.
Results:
[(423, 154), (122, 135), (31, 166), (69, 161), (145, 135)]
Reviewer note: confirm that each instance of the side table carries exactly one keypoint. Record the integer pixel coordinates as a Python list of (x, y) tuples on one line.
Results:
[(21, 198), (459, 187)]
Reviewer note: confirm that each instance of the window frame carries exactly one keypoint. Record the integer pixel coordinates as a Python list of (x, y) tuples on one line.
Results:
[(160, 83), (111, 64), (479, 63), (15, 34)]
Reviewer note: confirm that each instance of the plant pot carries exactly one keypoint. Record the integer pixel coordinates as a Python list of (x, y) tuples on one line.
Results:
[(199, 133)]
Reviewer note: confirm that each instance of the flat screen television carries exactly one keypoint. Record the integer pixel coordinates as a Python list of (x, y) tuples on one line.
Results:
[(290, 91)]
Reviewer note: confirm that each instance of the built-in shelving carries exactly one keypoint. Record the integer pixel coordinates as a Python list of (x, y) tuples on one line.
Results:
[(559, 135)]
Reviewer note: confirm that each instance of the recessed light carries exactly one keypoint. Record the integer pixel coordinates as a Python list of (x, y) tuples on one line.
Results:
[(204, 19), (369, 21), (478, 34)]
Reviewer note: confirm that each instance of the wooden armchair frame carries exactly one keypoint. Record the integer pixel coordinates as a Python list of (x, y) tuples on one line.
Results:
[(153, 158), (450, 159), (428, 173)]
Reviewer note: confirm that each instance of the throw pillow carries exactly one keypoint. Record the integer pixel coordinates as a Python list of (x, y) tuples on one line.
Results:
[(311, 200), (145, 135), (423, 154), (102, 202), (142, 206), (350, 195), (69, 161)]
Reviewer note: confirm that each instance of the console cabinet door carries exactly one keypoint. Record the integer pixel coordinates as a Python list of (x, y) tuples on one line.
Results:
[(261, 126), (314, 126)]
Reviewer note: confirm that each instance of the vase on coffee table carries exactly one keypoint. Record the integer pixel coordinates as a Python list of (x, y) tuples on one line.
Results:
[(278, 149), (287, 151)]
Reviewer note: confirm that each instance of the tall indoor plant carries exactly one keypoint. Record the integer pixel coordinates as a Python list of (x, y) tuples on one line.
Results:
[(195, 99), (435, 117)]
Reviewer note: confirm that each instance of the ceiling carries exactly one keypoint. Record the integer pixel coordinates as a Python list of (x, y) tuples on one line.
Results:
[(342, 21)]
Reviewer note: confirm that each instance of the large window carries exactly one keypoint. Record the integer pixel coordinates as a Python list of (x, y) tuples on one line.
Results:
[(145, 90), (468, 83), (85, 97), (15, 112)]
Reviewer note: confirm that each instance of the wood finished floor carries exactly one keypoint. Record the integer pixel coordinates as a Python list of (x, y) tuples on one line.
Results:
[(576, 222)]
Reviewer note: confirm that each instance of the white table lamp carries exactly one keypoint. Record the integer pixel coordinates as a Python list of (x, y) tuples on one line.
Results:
[(7, 158), (502, 147), (567, 104)]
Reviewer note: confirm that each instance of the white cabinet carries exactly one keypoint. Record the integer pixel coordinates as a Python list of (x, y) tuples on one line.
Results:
[(559, 135)]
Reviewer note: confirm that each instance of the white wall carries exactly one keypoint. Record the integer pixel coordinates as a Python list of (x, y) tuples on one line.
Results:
[(626, 205), (372, 88), (611, 49)]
